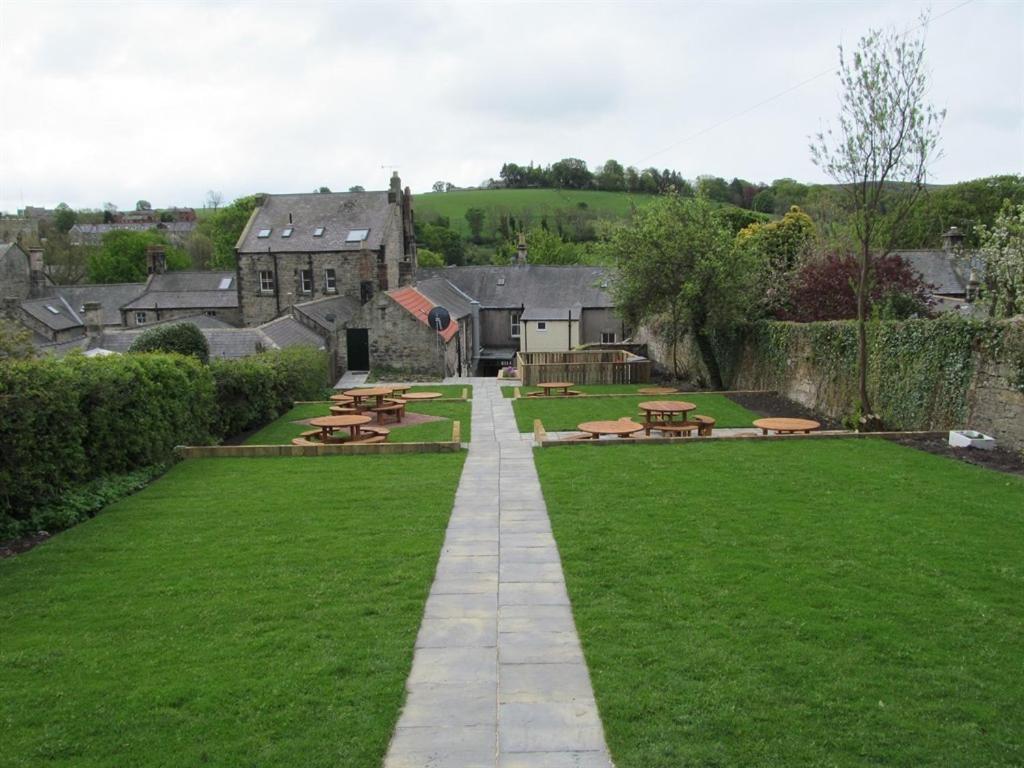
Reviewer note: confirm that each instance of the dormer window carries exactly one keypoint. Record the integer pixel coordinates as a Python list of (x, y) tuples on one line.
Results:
[(263, 233), (318, 232), (287, 231), (356, 235)]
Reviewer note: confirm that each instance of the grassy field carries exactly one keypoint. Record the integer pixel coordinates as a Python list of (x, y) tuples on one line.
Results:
[(283, 429), (560, 414), (236, 612), (536, 202), (840, 603)]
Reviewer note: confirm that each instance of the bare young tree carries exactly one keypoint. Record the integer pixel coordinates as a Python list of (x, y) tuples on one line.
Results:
[(879, 154), (214, 199)]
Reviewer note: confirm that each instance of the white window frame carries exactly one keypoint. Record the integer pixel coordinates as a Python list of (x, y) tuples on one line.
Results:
[(140, 318), (330, 280), (266, 281), (605, 334), (515, 324), (542, 326), (264, 233), (305, 281)]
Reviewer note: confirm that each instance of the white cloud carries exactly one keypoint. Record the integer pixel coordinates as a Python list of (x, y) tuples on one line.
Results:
[(165, 101)]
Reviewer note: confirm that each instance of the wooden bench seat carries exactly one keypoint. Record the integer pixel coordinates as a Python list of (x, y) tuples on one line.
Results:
[(679, 428), (342, 410), (303, 441), (396, 409), (310, 433), (705, 424)]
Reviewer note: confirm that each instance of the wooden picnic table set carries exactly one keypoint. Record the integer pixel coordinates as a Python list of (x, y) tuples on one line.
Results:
[(349, 419)]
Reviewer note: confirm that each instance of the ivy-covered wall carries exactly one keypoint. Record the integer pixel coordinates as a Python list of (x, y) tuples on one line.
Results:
[(923, 374)]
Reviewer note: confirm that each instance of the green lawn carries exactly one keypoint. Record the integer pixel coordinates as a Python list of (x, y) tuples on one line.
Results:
[(536, 203), (236, 612), (564, 413), (587, 389), (282, 430), (826, 603)]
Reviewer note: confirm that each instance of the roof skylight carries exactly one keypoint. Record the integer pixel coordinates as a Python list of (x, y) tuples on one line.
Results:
[(356, 235), (53, 309), (225, 283), (318, 232), (287, 231), (263, 233)]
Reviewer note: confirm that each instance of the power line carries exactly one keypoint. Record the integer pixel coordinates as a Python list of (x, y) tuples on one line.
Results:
[(785, 92)]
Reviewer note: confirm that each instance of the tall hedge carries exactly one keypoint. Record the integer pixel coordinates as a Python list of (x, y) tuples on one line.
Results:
[(65, 423)]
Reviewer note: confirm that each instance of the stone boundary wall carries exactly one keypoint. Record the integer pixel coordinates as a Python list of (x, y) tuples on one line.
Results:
[(988, 385)]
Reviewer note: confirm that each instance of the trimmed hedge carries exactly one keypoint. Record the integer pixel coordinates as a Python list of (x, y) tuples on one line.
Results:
[(183, 338), (64, 423)]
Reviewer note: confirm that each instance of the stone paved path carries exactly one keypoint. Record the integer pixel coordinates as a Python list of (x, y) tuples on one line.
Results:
[(498, 678)]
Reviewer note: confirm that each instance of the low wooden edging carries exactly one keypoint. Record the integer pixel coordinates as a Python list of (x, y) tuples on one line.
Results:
[(517, 396), (836, 434), (257, 451)]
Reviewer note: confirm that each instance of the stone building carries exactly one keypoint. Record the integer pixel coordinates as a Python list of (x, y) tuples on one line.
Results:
[(169, 295), (296, 248)]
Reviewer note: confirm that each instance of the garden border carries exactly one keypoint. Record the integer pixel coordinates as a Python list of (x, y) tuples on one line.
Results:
[(255, 451), (837, 434)]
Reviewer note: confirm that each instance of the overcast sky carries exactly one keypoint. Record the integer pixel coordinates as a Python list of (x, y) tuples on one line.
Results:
[(167, 100)]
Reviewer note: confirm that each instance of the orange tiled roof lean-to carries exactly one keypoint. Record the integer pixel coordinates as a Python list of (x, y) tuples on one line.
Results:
[(419, 306)]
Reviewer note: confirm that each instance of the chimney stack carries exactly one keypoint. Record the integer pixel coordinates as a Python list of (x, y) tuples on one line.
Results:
[(37, 276), (396, 188), (156, 259), (521, 250), (93, 311), (953, 240)]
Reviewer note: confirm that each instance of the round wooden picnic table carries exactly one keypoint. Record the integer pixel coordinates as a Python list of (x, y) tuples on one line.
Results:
[(548, 386), (359, 395), (657, 391), (422, 395), (328, 424), (398, 389), (784, 426), (622, 428), (658, 413), (341, 398)]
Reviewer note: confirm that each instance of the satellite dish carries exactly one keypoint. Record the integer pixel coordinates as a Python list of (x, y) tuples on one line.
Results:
[(439, 319)]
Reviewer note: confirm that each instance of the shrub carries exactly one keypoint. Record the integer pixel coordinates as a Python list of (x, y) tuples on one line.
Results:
[(183, 338), (63, 422)]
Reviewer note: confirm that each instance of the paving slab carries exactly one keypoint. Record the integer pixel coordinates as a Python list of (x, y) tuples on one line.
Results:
[(498, 677)]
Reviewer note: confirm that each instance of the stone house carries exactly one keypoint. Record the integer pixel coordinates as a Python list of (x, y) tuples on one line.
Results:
[(953, 275), (297, 248), (60, 316), (169, 295)]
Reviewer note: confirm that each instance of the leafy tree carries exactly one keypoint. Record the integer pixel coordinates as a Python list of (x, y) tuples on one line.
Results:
[(66, 264), (224, 227), (546, 247), (15, 341), (571, 173), (632, 178), (777, 249), (214, 199), (438, 186), (826, 290), (611, 177), (476, 217), (143, 205), (676, 269), (714, 188), (64, 218), (199, 248), (966, 205), (1002, 250), (880, 154), (355, 188), (444, 241), (122, 256), (427, 258), (182, 338)]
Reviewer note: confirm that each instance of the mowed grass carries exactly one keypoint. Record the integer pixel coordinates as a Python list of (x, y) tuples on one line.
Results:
[(795, 603), (282, 430), (236, 612), (559, 414), (533, 203)]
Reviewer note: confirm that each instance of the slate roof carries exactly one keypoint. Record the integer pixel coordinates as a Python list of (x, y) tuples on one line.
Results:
[(419, 306), (62, 348), (552, 313), (338, 213), (288, 332), (344, 308), (111, 296), (64, 318), (446, 295), (943, 271), (188, 290), (538, 285), (5, 247)]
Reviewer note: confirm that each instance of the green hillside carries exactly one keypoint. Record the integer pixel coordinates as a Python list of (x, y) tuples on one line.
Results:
[(531, 204)]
